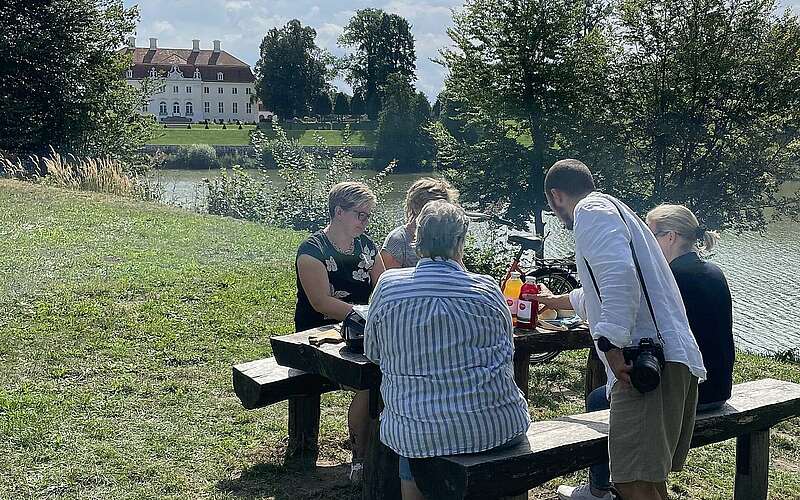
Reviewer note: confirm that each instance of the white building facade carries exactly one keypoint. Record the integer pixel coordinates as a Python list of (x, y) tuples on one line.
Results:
[(196, 85)]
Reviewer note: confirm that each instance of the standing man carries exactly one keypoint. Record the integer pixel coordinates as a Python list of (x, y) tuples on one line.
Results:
[(632, 295)]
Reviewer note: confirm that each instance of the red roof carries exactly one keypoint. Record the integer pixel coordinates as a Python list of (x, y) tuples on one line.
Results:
[(207, 61)]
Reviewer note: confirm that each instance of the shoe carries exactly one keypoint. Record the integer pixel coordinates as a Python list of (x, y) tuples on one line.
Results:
[(582, 492), (356, 473)]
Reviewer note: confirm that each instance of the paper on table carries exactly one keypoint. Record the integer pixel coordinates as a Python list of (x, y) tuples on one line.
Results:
[(361, 310)]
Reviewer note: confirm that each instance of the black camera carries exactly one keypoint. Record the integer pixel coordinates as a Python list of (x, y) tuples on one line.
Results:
[(648, 361)]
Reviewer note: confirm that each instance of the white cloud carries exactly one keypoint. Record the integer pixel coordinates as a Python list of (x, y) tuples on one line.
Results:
[(162, 27), (237, 4)]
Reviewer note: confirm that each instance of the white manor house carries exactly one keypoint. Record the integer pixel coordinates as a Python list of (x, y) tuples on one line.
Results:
[(197, 84)]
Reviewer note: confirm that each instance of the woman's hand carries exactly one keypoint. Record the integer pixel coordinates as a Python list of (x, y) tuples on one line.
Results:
[(550, 300)]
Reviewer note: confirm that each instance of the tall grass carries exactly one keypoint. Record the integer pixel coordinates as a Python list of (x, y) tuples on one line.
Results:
[(101, 175)]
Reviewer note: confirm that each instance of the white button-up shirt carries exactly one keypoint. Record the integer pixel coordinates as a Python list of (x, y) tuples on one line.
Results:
[(603, 239)]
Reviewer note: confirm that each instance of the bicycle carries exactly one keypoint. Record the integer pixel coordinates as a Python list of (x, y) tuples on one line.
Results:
[(558, 274)]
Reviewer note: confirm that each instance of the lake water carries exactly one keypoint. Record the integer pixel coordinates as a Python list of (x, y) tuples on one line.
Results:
[(763, 271)]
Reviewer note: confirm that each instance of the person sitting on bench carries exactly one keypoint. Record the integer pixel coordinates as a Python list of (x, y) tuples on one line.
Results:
[(336, 268), (442, 337)]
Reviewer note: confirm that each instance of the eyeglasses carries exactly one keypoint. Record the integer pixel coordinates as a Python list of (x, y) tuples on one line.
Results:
[(362, 216), (661, 233)]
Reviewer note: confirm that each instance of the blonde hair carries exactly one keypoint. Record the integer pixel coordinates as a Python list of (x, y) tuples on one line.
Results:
[(683, 222), (425, 190), (348, 195)]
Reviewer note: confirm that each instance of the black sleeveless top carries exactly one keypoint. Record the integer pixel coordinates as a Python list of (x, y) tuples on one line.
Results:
[(348, 275)]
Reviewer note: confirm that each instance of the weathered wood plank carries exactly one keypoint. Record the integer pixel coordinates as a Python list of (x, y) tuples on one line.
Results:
[(752, 466), (333, 361), (568, 444), (264, 382), (547, 341)]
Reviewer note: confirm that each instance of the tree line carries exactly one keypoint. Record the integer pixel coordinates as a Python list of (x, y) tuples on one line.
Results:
[(681, 101)]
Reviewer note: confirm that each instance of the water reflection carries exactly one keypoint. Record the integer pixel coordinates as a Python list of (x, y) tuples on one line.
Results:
[(763, 271)]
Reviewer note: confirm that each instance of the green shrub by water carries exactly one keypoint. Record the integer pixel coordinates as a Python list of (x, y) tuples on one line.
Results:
[(195, 156)]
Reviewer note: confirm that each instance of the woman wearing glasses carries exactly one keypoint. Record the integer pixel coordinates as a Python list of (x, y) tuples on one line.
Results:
[(337, 267)]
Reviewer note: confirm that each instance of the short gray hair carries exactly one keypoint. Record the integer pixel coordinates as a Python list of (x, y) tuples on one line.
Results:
[(441, 230)]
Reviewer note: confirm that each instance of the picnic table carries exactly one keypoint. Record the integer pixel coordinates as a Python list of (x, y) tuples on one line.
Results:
[(339, 365)]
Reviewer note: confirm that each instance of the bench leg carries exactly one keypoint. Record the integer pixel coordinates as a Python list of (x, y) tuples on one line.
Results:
[(303, 448), (522, 369), (752, 466)]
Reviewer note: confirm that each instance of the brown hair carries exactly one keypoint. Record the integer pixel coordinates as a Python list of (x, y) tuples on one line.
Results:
[(683, 222), (425, 190)]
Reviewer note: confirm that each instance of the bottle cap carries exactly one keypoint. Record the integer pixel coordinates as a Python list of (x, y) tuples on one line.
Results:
[(515, 274), (530, 279)]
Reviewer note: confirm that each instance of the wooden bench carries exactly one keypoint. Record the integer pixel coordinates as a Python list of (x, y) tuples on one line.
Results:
[(572, 443), (265, 382)]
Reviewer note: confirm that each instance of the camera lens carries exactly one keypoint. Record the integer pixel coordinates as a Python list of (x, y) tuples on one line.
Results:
[(646, 372)]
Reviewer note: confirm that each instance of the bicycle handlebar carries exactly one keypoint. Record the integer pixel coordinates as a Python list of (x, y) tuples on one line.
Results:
[(482, 217)]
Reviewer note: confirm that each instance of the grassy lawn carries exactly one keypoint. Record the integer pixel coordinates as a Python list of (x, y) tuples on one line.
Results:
[(119, 323), (232, 136)]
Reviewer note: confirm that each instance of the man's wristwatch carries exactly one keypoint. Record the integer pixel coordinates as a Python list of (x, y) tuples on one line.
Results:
[(605, 345)]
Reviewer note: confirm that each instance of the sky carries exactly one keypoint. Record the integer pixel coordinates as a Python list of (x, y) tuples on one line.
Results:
[(241, 24)]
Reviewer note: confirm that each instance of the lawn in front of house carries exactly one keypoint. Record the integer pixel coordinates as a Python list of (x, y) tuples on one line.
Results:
[(120, 321), (232, 136)]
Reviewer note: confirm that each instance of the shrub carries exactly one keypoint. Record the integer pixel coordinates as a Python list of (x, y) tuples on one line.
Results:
[(301, 200), (198, 156)]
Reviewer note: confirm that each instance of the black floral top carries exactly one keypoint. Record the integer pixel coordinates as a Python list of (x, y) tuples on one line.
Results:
[(348, 275)]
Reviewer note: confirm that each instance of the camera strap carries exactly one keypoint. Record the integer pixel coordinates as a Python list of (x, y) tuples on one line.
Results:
[(638, 274)]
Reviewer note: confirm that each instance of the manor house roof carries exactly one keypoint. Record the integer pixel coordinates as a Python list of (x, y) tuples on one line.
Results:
[(208, 62)]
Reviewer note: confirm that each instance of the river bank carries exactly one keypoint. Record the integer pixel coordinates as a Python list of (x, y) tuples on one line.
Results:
[(763, 270), (119, 322)]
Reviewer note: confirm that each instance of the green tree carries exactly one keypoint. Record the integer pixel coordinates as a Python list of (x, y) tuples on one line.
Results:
[(383, 45), (292, 70), (322, 104), (357, 106), (527, 72), (711, 108), (341, 106), (60, 79), (401, 127)]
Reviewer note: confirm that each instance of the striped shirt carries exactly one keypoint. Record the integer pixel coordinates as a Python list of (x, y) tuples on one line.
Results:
[(443, 340)]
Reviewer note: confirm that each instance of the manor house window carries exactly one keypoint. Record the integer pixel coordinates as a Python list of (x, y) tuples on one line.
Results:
[(176, 108), (189, 109), (162, 108), (219, 77)]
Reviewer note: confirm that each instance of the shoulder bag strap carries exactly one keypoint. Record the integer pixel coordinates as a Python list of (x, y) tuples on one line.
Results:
[(638, 274)]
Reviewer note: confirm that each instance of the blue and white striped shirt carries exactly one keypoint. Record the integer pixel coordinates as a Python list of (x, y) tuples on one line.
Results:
[(443, 339)]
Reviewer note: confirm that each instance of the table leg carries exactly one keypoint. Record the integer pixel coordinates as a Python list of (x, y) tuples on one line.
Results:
[(303, 448), (381, 479), (595, 373), (522, 369)]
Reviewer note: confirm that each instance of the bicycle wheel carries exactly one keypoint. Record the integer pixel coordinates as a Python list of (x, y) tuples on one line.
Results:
[(559, 282)]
